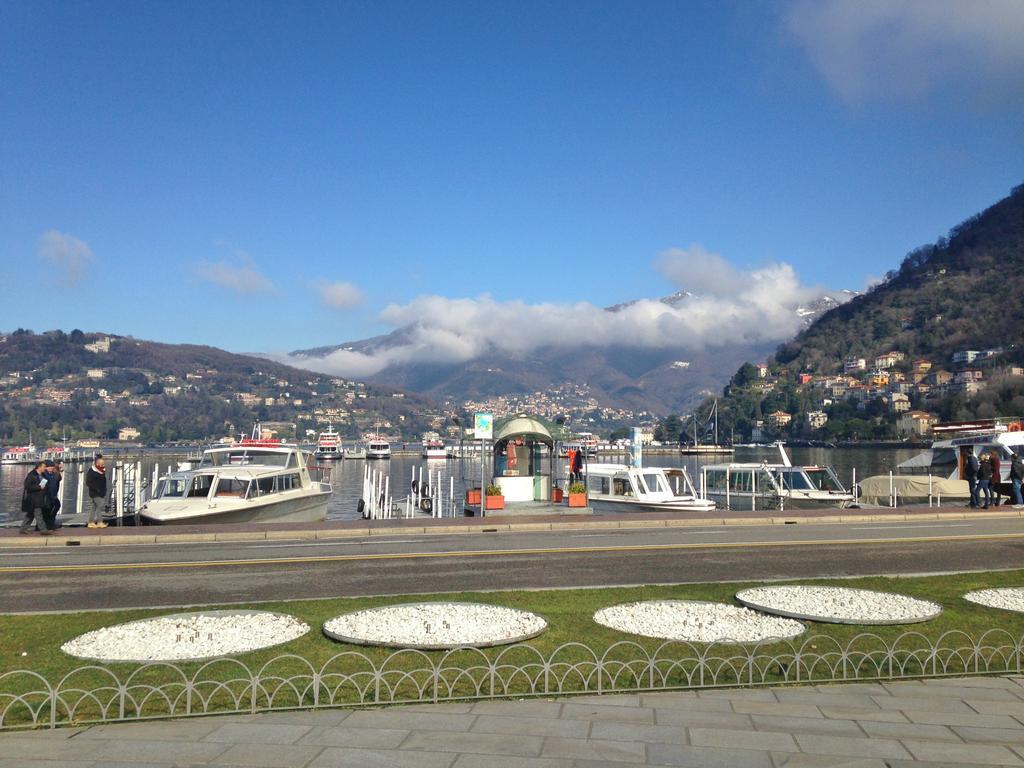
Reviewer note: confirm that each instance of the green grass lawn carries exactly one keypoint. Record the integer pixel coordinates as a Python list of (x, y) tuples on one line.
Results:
[(568, 613)]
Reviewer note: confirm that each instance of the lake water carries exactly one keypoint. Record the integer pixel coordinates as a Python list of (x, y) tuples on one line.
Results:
[(347, 476)]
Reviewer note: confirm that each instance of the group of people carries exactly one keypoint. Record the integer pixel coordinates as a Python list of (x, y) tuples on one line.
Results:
[(40, 500), (984, 476)]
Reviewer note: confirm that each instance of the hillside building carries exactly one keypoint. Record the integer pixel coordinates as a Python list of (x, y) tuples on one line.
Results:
[(965, 357), (855, 365), (817, 419), (916, 424), (779, 419)]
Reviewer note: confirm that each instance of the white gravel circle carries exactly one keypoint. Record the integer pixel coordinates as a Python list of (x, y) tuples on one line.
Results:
[(1006, 598), (187, 636), (839, 605), (696, 621), (434, 626)]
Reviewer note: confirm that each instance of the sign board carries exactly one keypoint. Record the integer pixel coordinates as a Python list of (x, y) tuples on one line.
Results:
[(483, 426)]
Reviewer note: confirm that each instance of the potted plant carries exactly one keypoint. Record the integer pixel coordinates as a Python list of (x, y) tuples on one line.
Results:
[(556, 494), (577, 495), (473, 496), (495, 498)]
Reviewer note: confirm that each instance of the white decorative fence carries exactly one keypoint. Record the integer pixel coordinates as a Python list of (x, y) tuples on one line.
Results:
[(96, 693)]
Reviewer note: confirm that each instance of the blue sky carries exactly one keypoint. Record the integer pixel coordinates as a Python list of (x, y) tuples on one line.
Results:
[(270, 176)]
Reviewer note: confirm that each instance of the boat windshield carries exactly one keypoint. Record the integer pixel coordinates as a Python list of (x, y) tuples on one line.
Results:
[(245, 456), (824, 480), (794, 480), (171, 487), (655, 482)]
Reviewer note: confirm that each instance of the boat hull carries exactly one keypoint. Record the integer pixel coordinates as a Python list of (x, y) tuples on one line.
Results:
[(625, 505), (742, 501), (308, 508)]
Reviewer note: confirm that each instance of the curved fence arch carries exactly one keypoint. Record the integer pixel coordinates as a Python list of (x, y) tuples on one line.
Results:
[(97, 693)]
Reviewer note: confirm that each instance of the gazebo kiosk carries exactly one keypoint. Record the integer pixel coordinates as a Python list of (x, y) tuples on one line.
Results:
[(519, 453)]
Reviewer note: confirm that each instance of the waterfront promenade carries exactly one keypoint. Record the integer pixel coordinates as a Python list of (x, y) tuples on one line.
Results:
[(931, 723)]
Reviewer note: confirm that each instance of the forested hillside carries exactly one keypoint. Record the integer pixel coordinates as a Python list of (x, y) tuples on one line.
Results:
[(942, 336)]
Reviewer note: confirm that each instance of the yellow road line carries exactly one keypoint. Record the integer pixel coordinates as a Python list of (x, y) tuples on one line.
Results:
[(502, 552)]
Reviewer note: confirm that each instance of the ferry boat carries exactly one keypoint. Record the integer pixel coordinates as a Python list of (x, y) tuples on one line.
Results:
[(748, 485), (254, 480), (939, 471), (378, 448), (434, 449), (328, 445), (621, 488), (23, 454)]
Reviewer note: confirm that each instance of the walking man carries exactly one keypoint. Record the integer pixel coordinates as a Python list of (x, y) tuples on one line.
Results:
[(96, 482), (985, 479), (971, 468), (1016, 477), (54, 476), (33, 500)]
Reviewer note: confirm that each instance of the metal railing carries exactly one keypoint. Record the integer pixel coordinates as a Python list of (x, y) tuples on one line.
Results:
[(98, 693)]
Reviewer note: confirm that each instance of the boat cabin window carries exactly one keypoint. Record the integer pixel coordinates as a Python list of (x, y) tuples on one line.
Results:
[(599, 484), (232, 487), (794, 480), (288, 482), (261, 486), (200, 487), (172, 487), (654, 482), (621, 487), (824, 480)]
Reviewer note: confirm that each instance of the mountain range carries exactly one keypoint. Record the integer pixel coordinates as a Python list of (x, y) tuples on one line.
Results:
[(660, 380)]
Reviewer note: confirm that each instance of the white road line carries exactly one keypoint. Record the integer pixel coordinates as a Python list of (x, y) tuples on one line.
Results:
[(894, 527), (37, 554)]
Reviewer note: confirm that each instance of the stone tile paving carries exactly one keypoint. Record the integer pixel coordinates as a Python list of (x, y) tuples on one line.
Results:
[(958, 722)]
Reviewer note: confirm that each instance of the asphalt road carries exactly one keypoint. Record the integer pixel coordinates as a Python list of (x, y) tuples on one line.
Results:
[(77, 578)]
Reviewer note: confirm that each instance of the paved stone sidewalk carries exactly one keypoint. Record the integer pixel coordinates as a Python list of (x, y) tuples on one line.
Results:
[(973, 721)]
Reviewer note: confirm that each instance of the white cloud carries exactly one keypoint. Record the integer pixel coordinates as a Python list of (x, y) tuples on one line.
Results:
[(239, 275), (754, 305), (67, 253), (865, 49), (339, 295)]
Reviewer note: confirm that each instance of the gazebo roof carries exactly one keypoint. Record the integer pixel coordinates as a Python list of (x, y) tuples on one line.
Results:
[(527, 426)]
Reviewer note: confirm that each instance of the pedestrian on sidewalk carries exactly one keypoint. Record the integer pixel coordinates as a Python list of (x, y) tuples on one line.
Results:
[(1016, 477), (971, 469), (985, 479), (96, 482), (33, 500), (997, 476), (54, 476)]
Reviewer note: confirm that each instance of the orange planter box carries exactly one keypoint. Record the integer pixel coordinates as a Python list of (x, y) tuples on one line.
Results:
[(473, 496), (577, 499), (557, 495), (495, 502)]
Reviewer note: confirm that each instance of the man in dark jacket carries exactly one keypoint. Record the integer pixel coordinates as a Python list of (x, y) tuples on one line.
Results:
[(985, 479), (971, 467), (54, 475), (33, 500), (96, 482)]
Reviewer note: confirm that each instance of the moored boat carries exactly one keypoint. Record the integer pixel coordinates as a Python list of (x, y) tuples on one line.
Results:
[(621, 488), (251, 481), (328, 445)]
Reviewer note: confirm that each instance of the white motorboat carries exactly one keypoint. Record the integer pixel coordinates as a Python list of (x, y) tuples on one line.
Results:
[(753, 485), (621, 488), (328, 445), (378, 448), (252, 481)]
